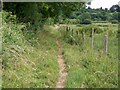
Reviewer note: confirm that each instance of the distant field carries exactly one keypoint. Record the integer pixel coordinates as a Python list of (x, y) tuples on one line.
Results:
[(113, 27)]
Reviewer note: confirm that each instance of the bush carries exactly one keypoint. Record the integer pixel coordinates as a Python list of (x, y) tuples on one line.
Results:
[(114, 21), (70, 21), (86, 21), (98, 30), (88, 29), (8, 17)]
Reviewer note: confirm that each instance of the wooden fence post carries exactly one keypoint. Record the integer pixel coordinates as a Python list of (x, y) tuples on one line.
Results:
[(92, 38), (83, 35), (72, 32), (106, 44), (67, 28), (77, 33)]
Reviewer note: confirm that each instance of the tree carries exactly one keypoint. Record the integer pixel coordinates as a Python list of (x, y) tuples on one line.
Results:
[(30, 11), (84, 16), (115, 16), (115, 8), (106, 9), (86, 21)]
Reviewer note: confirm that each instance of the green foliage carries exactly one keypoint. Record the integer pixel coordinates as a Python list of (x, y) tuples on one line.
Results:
[(30, 51), (25, 64), (8, 17), (36, 12), (70, 21), (115, 8), (12, 31), (86, 21), (71, 36), (115, 16), (114, 21), (98, 30), (89, 68), (88, 29), (85, 16), (99, 14)]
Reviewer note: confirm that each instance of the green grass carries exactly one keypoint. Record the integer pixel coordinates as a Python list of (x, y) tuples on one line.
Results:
[(89, 68), (29, 59), (86, 68)]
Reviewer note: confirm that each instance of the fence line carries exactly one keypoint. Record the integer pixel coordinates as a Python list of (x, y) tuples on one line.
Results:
[(77, 33)]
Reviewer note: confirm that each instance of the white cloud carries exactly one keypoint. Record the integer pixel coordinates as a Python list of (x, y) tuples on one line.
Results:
[(103, 3)]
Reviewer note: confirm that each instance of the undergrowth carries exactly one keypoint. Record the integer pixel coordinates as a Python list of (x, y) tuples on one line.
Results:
[(29, 57), (90, 68), (87, 69)]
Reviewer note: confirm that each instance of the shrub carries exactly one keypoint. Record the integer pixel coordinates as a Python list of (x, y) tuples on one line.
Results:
[(114, 21), (86, 21), (88, 29), (70, 21), (98, 30), (8, 17)]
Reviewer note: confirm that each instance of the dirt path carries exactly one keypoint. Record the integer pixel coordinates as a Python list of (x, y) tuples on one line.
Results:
[(62, 71)]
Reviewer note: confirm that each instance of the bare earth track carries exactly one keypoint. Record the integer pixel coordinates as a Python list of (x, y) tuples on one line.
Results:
[(62, 71)]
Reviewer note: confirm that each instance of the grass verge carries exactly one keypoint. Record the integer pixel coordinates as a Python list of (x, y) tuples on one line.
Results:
[(28, 61)]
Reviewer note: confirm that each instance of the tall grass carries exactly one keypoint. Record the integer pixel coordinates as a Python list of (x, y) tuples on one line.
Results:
[(29, 57), (90, 68)]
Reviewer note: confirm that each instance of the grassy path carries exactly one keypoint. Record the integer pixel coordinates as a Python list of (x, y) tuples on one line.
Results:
[(62, 67)]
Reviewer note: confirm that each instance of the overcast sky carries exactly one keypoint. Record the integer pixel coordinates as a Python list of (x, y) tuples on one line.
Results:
[(103, 3)]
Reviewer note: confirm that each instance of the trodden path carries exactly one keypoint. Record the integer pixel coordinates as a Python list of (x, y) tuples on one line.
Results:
[(62, 68)]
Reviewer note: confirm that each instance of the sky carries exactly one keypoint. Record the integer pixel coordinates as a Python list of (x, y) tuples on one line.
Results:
[(103, 3)]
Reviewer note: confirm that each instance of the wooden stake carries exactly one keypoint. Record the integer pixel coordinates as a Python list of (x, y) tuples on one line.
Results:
[(67, 28), (92, 38), (105, 44), (83, 35), (77, 33), (72, 32)]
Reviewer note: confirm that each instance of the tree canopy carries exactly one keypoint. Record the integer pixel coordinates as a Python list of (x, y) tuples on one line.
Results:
[(35, 11)]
